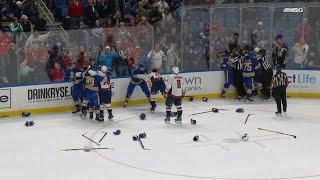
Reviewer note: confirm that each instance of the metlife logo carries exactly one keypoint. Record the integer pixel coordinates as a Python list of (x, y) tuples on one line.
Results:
[(5, 98), (302, 80)]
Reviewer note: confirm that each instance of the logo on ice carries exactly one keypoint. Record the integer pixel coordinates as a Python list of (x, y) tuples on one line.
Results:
[(302, 79)]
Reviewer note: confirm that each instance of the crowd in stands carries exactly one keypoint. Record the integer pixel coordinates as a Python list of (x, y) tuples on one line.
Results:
[(119, 34)]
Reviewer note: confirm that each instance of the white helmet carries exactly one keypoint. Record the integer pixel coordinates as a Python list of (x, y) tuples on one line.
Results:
[(175, 70), (104, 69), (257, 49)]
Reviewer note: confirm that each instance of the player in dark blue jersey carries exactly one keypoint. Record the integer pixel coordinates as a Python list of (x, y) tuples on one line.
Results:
[(92, 90), (138, 79), (158, 85), (74, 74), (228, 66), (250, 65)]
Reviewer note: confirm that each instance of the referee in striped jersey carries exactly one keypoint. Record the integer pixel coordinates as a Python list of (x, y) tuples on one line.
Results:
[(267, 72), (279, 86)]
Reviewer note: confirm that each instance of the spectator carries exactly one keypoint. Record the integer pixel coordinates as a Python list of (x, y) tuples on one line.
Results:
[(140, 11), (301, 50), (173, 58), (30, 10), (25, 72), (307, 31), (18, 11), (76, 12), (25, 23), (41, 23), (156, 57), (233, 42), (36, 38), (6, 12), (57, 73), (121, 65), (154, 14), (107, 57), (279, 51), (162, 6), (109, 23), (260, 36), (103, 9), (15, 26), (4, 56), (117, 18), (80, 61), (128, 12), (91, 13)]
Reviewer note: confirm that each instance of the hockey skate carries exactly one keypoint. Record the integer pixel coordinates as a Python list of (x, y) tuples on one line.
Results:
[(167, 120), (125, 104), (76, 111), (91, 115), (101, 116), (278, 113), (110, 117), (250, 100), (222, 95), (98, 118), (239, 98), (178, 120), (83, 114)]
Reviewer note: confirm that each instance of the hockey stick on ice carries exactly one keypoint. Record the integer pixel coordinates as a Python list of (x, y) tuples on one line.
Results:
[(105, 133), (142, 144), (277, 132), (245, 122), (90, 140), (83, 149)]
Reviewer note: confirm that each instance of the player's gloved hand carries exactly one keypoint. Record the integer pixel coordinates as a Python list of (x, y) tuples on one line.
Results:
[(165, 95)]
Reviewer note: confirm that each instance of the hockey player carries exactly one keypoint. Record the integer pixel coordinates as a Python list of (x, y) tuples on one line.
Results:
[(157, 85), (227, 66), (74, 74), (92, 90), (138, 79), (174, 93), (250, 64), (266, 72), (105, 92)]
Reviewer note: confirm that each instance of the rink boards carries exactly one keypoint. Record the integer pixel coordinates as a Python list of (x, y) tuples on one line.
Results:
[(47, 98)]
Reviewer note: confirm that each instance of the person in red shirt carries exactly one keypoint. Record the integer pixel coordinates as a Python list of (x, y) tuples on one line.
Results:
[(76, 12), (307, 31), (57, 73), (5, 40)]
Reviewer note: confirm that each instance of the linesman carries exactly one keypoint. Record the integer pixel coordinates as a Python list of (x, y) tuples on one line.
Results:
[(279, 86)]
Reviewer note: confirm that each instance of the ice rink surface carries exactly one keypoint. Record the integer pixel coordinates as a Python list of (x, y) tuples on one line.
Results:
[(31, 153)]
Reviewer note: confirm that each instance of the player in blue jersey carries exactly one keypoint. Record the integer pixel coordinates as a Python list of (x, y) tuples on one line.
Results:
[(157, 85), (228, 66), (74, 74), (250, 65), (92, 90), (138, 79), (105, 92)]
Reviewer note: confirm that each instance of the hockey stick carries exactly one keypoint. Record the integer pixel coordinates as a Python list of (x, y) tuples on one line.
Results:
[(247, 118), (3, 116), (294, 136), (105, 133), (83, 149), (90, 140), (142, 144), (201, 113)]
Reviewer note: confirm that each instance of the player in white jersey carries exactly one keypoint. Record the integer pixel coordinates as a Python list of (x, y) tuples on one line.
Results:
[(105, 92), (174, 93)]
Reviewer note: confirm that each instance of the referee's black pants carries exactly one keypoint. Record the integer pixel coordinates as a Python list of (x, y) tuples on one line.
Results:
[(238, 82), (266, 82), (280, 95)]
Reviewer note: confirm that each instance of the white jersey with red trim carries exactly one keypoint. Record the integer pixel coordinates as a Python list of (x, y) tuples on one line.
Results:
[(105, 83), (174, 85)]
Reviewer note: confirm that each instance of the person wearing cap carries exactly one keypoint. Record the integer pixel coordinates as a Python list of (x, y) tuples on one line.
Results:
[(279, 86), (18, 10), (279, 51)]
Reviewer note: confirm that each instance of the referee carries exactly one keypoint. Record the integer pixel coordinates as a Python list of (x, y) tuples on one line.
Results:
[(279, 86)]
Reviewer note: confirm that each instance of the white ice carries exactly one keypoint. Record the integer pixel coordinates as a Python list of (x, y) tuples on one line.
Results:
[(31, 153)]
